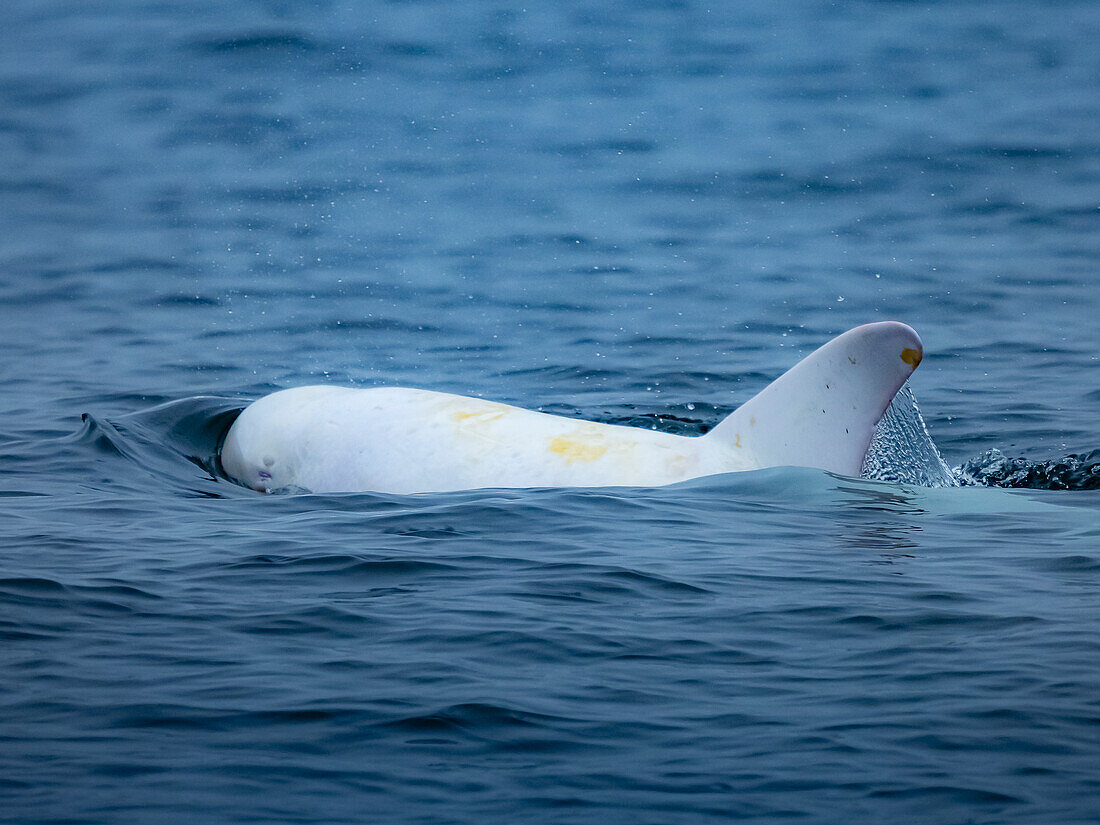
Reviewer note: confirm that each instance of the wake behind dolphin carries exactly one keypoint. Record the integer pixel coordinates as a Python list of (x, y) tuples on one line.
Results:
[(821, 413)]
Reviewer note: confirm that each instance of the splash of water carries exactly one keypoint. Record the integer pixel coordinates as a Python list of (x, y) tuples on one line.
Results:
[(1073, 472), (902, 450)]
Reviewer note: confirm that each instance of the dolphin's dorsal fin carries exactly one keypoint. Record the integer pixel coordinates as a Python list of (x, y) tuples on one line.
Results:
[(822, 412)]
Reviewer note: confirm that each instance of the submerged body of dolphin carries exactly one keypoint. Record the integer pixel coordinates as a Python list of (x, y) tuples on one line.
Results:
[(821, 413)]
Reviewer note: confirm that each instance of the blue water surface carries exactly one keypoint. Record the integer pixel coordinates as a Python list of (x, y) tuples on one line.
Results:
[(633, 212)]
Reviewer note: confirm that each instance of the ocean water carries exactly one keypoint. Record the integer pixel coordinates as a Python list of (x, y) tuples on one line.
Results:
[(632, 212)]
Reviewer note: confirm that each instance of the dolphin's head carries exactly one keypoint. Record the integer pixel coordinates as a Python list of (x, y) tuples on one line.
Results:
[(260, 450)]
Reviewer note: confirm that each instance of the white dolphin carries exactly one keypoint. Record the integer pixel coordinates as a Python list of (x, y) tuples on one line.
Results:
[(820, 413)]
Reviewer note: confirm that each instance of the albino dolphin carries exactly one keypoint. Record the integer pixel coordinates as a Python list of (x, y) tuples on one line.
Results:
[(820, 413)]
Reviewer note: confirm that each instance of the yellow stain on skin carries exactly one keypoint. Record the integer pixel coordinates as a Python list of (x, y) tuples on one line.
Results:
[(472, 425), (737, 441), (485, 415), (911, 357), (573, 451), (677, 465)]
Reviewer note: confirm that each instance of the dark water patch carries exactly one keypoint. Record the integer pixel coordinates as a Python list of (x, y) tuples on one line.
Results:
[(35, 92), (185, 300), (991, 743), (41, 593), (949, 793), (973, 621), (265, 42), (691, 653), (358, 325), (1069, 564), (128, 770), (238, 129), (53, 189), (772, 184), (776, 183), (39, 295), (618, 146), (25, 632), (411, 48), (564, 372), (141, 266), (488, 723), (199, 718), (296, 192), (669, 423), (322, 622), (597, 582), (1018, 152), (344, 566)]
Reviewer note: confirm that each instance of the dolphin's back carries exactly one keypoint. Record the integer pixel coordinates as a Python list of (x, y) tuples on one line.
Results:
[(821, 413), (399, 440)]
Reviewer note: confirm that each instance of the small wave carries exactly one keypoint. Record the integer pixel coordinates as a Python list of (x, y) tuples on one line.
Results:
[(85, 599), (167, 441), (497, 726), (343, 565), (102, 436)]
